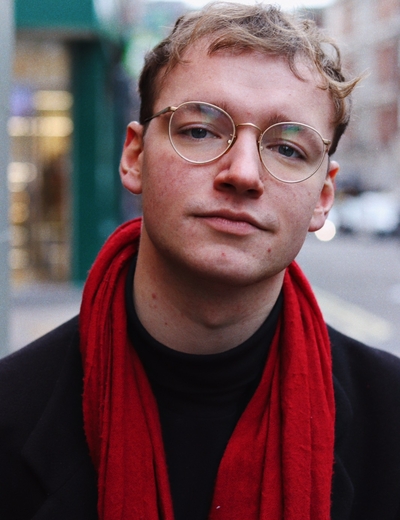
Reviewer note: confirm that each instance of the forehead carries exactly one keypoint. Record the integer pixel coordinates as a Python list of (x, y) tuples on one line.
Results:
[(248, 84)]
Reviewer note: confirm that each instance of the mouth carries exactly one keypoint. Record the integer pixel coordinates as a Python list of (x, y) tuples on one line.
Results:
[(232, 222)]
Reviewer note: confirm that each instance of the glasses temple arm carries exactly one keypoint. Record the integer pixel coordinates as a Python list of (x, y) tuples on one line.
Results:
[(160, 113)]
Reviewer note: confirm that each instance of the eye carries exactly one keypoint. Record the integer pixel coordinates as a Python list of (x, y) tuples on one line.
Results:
[(199, 133), (196, 133), (288, 151), (284, 150)]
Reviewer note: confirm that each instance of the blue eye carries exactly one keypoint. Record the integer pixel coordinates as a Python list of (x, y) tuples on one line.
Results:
[(198, 133), (288, 151), (195, 133)]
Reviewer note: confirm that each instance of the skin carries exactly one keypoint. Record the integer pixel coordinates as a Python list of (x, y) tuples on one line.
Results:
[(217, 238)]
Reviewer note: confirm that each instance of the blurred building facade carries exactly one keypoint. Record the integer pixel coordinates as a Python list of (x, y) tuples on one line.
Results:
[(70, 104), (368, 32)]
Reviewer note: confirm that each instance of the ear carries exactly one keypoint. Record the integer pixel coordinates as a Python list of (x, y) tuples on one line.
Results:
[(130, 168), (326, 198)]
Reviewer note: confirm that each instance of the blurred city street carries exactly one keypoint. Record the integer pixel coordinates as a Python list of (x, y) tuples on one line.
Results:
[(356, 279), (38, 308), (65, 107)]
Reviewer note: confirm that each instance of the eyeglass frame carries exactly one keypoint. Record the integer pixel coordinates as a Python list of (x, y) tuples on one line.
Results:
[(231, 141)]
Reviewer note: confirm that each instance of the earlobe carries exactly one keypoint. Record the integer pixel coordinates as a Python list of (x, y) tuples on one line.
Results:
[(130, 167), (326, 198)]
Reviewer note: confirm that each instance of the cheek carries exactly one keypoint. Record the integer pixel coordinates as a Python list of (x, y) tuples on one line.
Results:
[(156, 175), (296, 217), (164, 185), (300, 204)]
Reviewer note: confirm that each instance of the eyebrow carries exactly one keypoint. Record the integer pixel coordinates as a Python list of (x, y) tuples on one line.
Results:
[(276, 116), (279, 117)]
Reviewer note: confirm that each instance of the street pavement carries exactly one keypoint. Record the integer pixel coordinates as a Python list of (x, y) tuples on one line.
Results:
[(356, 280)]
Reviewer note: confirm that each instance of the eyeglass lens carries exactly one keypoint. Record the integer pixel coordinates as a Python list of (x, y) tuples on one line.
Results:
[(201, 133)]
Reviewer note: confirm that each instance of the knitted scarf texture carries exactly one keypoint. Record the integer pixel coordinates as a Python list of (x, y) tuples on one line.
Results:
[(278, 462)]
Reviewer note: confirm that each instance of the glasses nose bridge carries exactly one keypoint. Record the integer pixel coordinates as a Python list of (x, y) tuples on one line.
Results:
[(249, 124), (252, 125)]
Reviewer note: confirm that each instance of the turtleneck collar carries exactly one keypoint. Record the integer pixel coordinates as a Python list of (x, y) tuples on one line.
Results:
[(211, 380)]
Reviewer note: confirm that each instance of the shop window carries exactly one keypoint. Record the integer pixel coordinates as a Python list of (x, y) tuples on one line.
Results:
[(40, 129)]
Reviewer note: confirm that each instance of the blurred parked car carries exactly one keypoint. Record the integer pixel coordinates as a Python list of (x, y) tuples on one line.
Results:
[(371, 212)]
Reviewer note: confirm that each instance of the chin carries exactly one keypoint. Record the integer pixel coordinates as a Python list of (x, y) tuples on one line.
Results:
[(234, 273)]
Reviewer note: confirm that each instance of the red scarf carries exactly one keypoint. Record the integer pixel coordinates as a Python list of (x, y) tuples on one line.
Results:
[(278, 462)]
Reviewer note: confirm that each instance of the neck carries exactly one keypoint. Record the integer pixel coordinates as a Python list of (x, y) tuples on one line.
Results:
[(190, 313)]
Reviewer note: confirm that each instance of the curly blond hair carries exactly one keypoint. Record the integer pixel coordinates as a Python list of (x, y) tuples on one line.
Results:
[(242, 28)]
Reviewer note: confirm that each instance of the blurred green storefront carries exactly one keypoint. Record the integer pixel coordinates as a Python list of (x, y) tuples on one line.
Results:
[(70, 104)]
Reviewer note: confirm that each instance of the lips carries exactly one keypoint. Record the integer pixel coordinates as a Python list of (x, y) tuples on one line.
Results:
[(237, 221)]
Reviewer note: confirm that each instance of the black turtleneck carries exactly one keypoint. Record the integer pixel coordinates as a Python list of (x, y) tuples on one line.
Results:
[(200, 399)]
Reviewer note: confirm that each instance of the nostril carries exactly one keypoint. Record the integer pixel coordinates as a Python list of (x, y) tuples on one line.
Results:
[(254, 193), (227, 186)]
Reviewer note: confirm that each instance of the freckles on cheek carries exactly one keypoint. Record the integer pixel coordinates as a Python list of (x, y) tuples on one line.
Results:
[(297, 217), (155, 185), (302, 203)]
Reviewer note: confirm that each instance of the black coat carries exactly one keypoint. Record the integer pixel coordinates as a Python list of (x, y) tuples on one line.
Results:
[(45, 468)]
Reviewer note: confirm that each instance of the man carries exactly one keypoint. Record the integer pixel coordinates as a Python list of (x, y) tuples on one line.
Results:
[(208, 389)]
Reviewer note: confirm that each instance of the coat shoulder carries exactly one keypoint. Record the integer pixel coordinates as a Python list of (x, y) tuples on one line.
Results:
[(360, 368), (29, 375), (45, 467), (367, 431)]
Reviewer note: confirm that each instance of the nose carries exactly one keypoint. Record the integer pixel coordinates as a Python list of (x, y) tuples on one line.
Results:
[(241, 168)]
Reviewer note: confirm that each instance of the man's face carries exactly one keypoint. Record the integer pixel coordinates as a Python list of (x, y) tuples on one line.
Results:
[(229, 221)]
